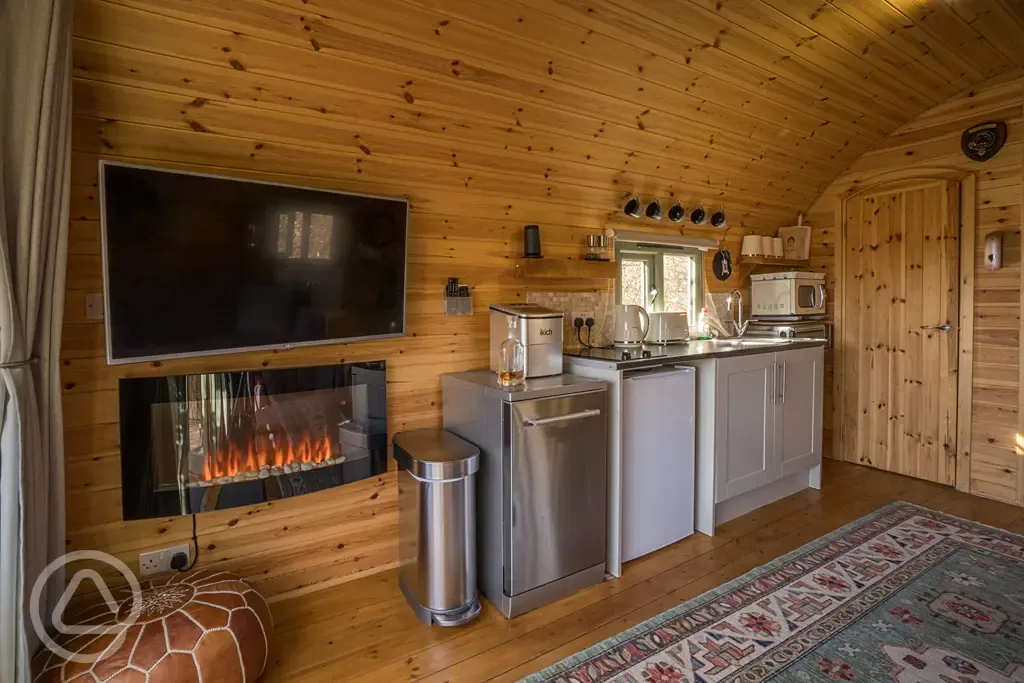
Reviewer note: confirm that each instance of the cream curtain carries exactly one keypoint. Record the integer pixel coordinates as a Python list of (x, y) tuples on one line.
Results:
[(35, 116)]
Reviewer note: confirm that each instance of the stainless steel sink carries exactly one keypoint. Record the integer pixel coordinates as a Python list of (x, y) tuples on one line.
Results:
[(741, 343)]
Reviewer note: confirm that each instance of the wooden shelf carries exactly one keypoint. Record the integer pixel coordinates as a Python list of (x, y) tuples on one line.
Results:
[(769, 261), (566, 269)]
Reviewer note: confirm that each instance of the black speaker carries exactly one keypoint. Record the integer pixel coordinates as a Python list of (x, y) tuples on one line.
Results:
[(531, 242)]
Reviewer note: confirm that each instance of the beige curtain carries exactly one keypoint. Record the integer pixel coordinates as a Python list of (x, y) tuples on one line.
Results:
[(35, 116)]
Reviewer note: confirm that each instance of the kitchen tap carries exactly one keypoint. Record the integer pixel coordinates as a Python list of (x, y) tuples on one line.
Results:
[(741, 327)]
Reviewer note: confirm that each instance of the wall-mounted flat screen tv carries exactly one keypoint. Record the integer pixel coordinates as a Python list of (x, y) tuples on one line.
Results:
[(198, 264)]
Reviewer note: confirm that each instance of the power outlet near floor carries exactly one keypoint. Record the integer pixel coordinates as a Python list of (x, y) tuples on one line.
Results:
[(159, 561)]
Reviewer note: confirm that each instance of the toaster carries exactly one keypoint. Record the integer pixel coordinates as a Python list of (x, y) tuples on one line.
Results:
[(540, 331), (668, 328)]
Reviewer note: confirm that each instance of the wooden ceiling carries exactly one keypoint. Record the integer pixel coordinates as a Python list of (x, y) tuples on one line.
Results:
[(757, 104)]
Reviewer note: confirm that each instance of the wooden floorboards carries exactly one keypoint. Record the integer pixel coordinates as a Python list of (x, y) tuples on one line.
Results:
[(363, 631)]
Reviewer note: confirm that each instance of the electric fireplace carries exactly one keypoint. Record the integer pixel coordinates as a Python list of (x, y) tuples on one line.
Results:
[(193, 443)]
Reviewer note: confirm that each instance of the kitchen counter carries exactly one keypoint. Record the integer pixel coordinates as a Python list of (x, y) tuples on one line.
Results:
[(685, 352), (756, 415)]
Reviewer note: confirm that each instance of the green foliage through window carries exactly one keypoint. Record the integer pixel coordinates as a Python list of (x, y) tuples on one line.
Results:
[(660, 278)]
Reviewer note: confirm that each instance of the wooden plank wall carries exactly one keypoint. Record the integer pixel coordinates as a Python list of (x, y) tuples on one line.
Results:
[(933, 140), (488, 116), (232, 93)]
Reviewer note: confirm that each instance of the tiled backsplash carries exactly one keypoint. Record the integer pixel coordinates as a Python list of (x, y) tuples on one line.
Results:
[(601, 303)]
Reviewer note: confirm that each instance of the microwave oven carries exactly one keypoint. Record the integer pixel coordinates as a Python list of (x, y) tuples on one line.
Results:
[(787, 294)]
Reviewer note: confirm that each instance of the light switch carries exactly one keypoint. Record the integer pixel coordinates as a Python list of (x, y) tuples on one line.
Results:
[(94, 307)]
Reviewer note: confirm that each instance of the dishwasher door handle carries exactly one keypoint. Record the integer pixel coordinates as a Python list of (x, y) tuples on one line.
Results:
[(542, 421)]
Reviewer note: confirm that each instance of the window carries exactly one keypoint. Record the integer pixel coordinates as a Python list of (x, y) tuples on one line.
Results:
[(301, 235), (660, 278)]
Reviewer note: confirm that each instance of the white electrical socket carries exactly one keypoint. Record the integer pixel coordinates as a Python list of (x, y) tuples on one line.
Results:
[(94, 306), (581, 314), (159, 561)]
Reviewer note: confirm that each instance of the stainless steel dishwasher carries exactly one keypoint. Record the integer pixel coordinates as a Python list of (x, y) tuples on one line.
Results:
[(542, 484)]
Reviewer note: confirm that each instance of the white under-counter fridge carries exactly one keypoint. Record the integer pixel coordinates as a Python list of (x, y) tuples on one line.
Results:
[(651, 446), (658, 444)]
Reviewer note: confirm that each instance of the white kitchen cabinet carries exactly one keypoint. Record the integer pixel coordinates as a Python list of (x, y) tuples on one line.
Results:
[(744, 425), (758, 431), (798, 404)]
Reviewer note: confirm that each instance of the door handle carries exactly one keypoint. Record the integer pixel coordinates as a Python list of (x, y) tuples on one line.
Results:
[(944, 327), (782, 384), (774, 381), (541, 421)]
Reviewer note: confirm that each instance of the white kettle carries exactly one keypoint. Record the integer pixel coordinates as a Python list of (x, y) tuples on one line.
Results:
[(631, 325)]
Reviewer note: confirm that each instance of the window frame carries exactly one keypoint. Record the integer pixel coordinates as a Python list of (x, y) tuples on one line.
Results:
[(305, 233), (654, 255)]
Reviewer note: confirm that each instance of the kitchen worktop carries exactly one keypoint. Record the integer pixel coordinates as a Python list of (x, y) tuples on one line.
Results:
[(660, 354)]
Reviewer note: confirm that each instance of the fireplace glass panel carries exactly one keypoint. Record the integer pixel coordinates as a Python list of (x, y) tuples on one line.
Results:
[(192, 443)]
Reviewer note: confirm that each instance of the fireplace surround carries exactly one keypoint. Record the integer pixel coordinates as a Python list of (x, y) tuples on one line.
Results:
[(199, 442)]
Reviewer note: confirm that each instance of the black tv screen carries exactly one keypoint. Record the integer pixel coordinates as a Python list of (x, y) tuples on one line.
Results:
[(198, 264)]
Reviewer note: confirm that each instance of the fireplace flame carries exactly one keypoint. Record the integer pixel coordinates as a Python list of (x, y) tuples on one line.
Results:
[(261, 453)]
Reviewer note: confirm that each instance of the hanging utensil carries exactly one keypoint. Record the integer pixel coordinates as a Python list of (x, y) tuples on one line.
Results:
[(699, 215)]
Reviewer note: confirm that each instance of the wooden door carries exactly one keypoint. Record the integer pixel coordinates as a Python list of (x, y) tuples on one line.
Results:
[(744, 424), (798, 402), (899, 329)]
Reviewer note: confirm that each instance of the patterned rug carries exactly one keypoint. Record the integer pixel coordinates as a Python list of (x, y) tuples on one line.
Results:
[(904, 594)]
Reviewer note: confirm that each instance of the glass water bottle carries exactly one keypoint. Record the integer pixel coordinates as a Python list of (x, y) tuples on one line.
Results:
[(512, 357)]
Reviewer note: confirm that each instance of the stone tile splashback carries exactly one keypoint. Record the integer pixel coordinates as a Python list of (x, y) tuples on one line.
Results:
[(602, 303)]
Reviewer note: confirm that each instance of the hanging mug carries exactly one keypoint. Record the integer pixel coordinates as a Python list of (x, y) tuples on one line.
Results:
[(677, 213), (718, 218), (632, 208), (699, 215), (654, 210)]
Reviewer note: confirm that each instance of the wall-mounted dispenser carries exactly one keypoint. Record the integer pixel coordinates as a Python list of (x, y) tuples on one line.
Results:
[(994, 250)]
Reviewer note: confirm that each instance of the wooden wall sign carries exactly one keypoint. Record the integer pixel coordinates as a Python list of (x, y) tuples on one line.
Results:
[(984, 141)]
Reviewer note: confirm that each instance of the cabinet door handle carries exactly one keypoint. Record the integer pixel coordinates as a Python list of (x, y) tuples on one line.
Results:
[(782, 384), (772, 382)]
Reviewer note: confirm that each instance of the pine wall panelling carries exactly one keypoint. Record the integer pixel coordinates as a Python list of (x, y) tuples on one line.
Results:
[(487, 115), (1018, 439), (989, 464)]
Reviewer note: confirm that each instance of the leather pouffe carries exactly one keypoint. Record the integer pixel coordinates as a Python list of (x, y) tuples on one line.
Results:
[(196, 626)]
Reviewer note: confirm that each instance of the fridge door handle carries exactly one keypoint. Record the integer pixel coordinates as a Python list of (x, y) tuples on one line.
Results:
[(542, 421)]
